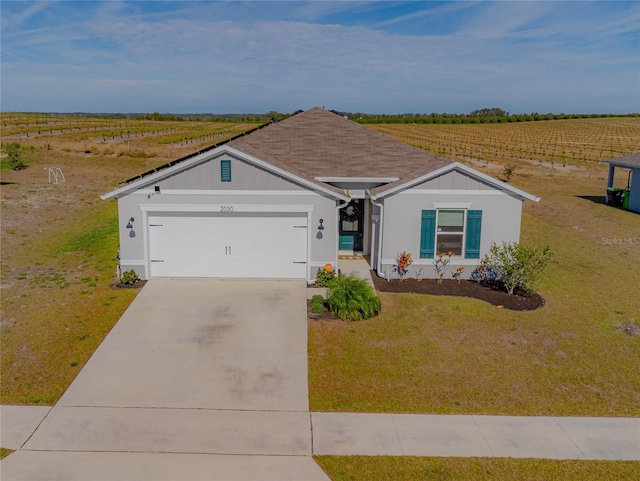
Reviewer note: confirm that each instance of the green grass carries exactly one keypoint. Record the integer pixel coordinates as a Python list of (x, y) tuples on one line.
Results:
[(4, 452), (379, 468), (5, 165), (430, 354), (60, 307)]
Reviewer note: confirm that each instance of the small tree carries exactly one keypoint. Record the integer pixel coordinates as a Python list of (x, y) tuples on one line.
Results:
[(508, 171), (519, 265)]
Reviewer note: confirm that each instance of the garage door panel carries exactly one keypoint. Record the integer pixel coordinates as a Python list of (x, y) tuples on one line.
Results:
[(244, 245)]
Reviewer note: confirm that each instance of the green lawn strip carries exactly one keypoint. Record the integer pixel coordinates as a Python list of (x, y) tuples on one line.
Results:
[(462, 356), (60, 309), (379, 468), (4, 452)]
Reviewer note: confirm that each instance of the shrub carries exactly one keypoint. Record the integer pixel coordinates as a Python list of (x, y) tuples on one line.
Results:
[(352, 298), (317, 304), (441, 263), (403, 261), (484, 273), (519, 265), (17, 155), (457, 275), (323, 277), (129, 277)]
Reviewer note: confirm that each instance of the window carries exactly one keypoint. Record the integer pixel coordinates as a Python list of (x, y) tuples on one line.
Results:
[(225, 171), (450, 230)]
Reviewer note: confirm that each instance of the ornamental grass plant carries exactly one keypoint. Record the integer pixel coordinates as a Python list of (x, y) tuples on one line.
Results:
[(352, 298)]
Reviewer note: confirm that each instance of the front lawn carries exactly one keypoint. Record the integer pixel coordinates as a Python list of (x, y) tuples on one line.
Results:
[(452, 355), (380, 468), (59, 307)]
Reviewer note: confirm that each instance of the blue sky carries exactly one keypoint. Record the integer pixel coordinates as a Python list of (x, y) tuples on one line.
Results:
[(374, 57)]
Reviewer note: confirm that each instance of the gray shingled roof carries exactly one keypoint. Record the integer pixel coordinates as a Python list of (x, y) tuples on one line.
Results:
[(630, 161), (319, 143)]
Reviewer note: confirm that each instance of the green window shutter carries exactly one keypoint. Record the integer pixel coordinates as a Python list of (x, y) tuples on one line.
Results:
[(428, 234), (225, 170), (474, 229)]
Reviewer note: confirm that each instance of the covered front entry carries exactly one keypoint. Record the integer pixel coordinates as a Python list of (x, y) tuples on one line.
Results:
[(351, 227), (223, 244)]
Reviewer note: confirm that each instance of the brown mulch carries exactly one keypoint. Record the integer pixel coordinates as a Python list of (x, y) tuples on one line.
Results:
[(493, 293), (135, 285)]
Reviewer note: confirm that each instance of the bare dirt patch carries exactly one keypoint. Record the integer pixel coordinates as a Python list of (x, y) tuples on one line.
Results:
[(629, 329)]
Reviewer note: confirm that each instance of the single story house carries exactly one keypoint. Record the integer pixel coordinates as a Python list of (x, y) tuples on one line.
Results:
[(287, 198), (626, 196)]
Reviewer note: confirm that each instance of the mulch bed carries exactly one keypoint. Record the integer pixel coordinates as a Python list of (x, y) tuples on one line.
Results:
[(135, 285), (493, 293)]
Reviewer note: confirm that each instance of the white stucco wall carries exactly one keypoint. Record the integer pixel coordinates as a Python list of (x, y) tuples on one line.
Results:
[(201, 185), (501, 217)]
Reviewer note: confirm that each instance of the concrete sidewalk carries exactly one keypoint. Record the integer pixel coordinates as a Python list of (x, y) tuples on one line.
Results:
[(87, 466), (345, 434), (203, 431)]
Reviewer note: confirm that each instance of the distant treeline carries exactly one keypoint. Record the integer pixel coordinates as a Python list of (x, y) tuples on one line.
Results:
[(475, 117), (481, 116), (174, 117)]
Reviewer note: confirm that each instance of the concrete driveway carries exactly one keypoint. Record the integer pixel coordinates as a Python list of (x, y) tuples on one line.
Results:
[(208, 367), (203, 344)]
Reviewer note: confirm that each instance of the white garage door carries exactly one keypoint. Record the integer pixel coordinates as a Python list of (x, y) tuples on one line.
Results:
[(189, 244)]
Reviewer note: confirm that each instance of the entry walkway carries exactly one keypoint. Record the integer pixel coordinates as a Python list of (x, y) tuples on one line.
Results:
[(357, 265)]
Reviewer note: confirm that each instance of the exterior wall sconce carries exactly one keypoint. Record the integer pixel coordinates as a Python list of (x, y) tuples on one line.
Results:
[(320, 229), (130, 223)]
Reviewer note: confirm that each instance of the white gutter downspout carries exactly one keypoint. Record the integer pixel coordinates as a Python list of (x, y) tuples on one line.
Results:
[(337, 246), (379, 246)]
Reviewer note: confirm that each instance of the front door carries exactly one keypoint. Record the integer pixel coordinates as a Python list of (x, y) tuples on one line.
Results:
[(352, 226)]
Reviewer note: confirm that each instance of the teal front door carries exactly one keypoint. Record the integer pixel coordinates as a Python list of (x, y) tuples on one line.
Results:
[(352, 226)]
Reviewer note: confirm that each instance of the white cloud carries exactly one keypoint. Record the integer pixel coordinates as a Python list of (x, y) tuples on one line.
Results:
[(507, 55)]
